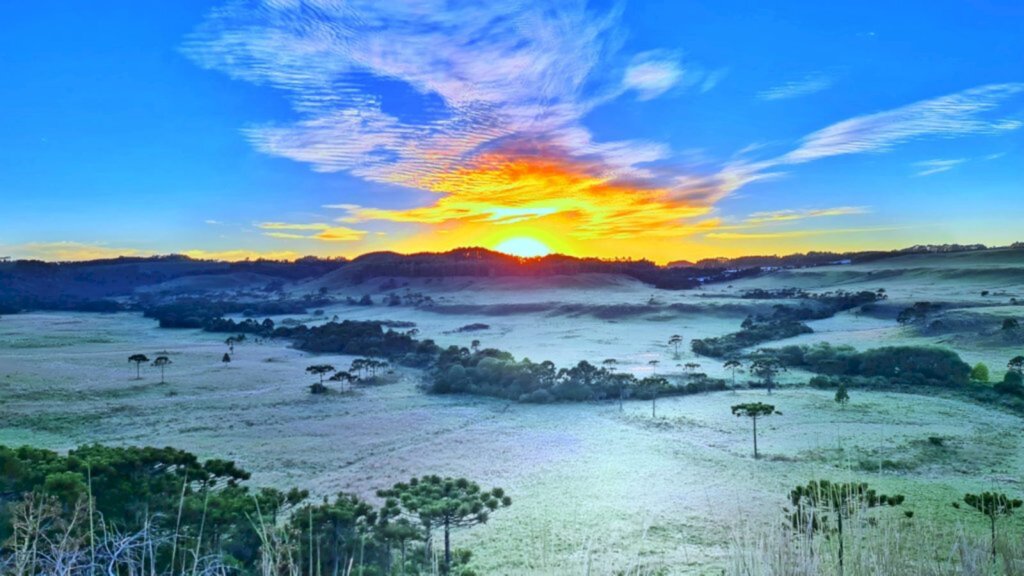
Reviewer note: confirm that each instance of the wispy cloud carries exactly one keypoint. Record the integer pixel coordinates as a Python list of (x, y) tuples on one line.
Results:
[(929, 167), (959, 114), (791, 233), (311, 231), (797, 88), (651, 74), (498, 134), (793, 215), (504, 88)]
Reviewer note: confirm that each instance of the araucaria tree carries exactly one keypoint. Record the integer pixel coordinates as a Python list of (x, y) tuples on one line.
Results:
[(442, 504), (766, 368), (733, 365), (320, 370), (754, 410), (813, 503), (993, 505), (652, 386), (161, 362), (138, 359), (675, 341)]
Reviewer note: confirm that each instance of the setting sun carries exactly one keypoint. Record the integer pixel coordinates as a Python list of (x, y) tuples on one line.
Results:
[(523, 247)]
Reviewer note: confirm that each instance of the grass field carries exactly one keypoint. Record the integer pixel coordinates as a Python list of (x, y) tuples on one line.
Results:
[(595, 490)]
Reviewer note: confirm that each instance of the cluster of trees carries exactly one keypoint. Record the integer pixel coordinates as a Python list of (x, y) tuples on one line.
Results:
[(784, 321), (204, 509), (161, 362), (209, 314), (899, 365), (361, 369), (492, 372)]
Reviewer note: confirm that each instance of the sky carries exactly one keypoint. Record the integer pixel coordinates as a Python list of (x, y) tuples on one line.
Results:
[(659, 130)]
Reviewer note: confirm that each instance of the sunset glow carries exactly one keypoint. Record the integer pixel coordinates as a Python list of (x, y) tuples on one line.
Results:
[(271, 129), (523, 247)]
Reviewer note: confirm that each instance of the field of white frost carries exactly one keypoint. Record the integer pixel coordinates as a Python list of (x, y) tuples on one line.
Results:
[(595, 490)]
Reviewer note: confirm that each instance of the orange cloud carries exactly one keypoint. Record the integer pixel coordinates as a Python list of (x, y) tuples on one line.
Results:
[(576, 197)]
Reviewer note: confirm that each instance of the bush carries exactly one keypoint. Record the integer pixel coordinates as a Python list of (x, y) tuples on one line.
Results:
[(979, 373)]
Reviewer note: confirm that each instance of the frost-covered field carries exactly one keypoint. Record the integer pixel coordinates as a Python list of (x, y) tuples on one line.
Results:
[(592, 487)]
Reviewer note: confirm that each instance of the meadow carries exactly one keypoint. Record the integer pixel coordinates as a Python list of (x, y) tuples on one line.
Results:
[(596, 490)]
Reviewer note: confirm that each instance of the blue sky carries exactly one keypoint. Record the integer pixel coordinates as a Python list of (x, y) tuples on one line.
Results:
[(666, 130)]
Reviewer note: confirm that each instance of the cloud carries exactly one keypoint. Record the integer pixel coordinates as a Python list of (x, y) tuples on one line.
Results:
[(239, 255), (793, 215), (502, 86), (651, 74), (791, 233), (503, 191), (958, 114), (797, 88), (929, 167), (493, 122), (323, 232), (68, 251)]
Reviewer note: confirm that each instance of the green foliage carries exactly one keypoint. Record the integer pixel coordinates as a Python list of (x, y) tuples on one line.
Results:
[(842, 396), (442, 504), (900, 365), (993, 505), (816, 503), (784, 321), (754, 410), (979, 373), (766, 367)]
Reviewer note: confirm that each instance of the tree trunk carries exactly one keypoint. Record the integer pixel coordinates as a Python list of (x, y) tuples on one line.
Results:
[(654, 407), (138, 367), (161, 373), (993, 518), (755, 437), (447, 547), (839, 515)]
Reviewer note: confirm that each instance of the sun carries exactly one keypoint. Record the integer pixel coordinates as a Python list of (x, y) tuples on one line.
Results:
[(523, 247)]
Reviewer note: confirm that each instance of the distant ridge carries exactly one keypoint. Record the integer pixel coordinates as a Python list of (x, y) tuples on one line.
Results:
[(30, 284)]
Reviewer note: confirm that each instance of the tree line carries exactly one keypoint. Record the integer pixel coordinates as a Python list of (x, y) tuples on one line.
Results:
[(170, 512)]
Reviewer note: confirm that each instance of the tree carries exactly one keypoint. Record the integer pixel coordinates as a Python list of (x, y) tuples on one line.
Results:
[(474, 345), (161, 362), (443, 503), (343, 376), (842, 396), (1016, 364), (1010, 324), (654, 366), (611, 365), (733, 365), (652, 386), (755, 410), (979, 373), (766, 368), (992, 505), (692, 367), (230, 344), (813, 503), (138, 359), (225, 358), (675, 341), (320, 370)]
